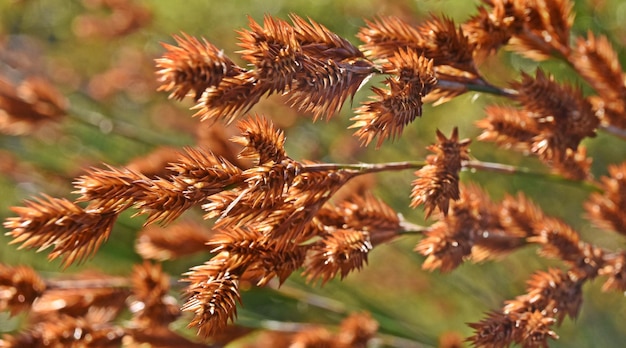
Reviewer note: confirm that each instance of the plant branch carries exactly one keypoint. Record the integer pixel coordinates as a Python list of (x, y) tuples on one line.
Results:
[(472, 166), (477, 85), (364, 168), (509, 169), (614, 130)]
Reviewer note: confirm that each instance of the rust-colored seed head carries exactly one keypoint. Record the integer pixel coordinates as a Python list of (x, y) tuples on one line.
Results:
[(340, 252), (74, 232), (357, 330), (192, 66), (438, 181), (391, 110), (608, 210), (19, 287), (274, 52), (151, 304), (212, 299)]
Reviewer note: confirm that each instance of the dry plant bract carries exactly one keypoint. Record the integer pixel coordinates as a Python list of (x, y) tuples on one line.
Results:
[(269, 215)]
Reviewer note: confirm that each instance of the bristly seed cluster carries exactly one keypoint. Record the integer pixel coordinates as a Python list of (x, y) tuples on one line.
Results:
[(273, 215)]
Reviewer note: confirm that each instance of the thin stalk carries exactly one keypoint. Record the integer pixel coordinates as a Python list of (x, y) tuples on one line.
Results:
[(472, 166), (363, 168), (513, 170), (477, 86), (614, 130)]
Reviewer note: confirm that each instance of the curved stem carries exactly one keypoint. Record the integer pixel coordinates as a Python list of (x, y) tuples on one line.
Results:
[(509, 169), (474, 165), (363, 168), (614, 130), (477, 86)]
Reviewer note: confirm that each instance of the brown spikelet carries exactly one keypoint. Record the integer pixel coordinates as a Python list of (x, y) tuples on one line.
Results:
[(258, 254), (446, 44), (324, 85), (508, 127), (489, 30), (163, 200), (575, 166), (606, 210), (19, 287), (340, 252), (391, 110), (609, 111), (274, 51), (199, 174), (500, 330), (318, 41), (383, 37), (212, 299), (520, 215), (233, 97), (596, 61), (268, 184), (67, 331), (472, 220), (545, 28), (363, 213), (308, 193), (495, 331), (356, 330), (172, 242), (111, 189), (271, 263), (74, 232), (204, 170), (615, 270), (558, 239), (564, 118), (150, 303), (438, 181), (286, 217), (555, 292), (192, 66), (261, 140), (26, 106)]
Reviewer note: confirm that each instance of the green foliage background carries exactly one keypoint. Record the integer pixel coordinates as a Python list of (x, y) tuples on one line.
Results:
[(407, 301)]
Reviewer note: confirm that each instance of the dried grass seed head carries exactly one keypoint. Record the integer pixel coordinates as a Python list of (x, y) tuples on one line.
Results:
[(340, 252), (233, 97), (390, 110), (438, 181), (151, 303), (262, 141), (563, 117), (212, 300), (20, 286), (607, 210), (192, 66), (274, 52), (74, 232), (451, 240)]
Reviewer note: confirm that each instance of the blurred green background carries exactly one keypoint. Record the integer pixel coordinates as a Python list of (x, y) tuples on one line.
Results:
[(114, 122)]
